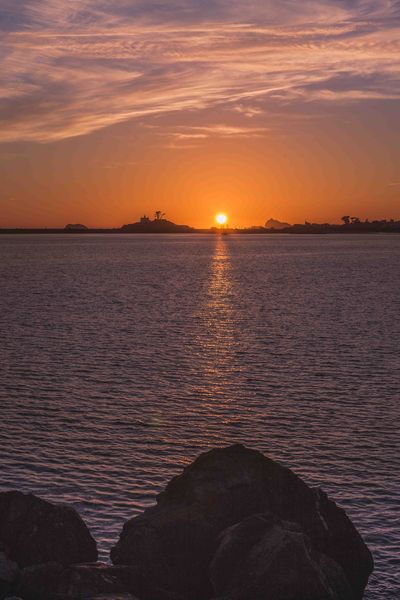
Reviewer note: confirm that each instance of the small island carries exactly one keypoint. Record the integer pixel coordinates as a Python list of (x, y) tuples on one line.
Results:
[(75, 227), (158, 225)]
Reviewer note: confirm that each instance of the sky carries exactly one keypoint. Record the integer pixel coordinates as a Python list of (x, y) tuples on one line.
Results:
[(110, 109)]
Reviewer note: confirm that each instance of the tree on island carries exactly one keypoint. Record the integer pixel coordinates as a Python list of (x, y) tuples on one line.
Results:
[(158, 215), (347, 220)]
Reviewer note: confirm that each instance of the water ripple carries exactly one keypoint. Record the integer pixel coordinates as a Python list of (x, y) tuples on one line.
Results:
[(123, 357)]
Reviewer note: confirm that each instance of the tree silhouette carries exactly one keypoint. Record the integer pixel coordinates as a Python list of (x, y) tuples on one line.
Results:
[(159, 215), (346, 219)]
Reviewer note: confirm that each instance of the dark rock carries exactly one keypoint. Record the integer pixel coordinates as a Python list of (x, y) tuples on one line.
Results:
[(33, 531), (340, 540), (138, 582), (265, 557), (53, 581), (8, 569), (8, 575), (174, 541), (112, 597)]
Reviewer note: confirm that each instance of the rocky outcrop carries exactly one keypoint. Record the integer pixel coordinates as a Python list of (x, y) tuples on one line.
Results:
[(234, 525), (33, 531), (275, 224), (263, 553), (178, 541)]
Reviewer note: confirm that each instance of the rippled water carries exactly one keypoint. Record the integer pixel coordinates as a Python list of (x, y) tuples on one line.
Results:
[(123, 357)]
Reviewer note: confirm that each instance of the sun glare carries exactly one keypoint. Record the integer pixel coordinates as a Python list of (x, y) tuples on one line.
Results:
[(221, 219)]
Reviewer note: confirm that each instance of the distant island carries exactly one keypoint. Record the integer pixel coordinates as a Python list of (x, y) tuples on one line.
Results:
[(158, 225), (75, 227), (272, 226), (349, 225)]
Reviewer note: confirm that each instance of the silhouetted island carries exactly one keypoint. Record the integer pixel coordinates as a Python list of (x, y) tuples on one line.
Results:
[(75, 227), (348, 225), (158, 225), (275, 224), (234, 525)]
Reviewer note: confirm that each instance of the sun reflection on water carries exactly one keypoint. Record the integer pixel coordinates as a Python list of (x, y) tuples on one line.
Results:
[(217, 343)]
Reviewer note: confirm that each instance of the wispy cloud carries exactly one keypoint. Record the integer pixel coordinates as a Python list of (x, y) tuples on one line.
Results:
[(70, 68), (191, 137)]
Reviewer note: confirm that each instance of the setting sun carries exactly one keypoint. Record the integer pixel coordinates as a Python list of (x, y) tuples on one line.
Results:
[(221, 219)]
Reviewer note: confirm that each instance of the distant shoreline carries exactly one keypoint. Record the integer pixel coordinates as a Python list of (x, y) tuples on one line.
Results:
[(293, 230)]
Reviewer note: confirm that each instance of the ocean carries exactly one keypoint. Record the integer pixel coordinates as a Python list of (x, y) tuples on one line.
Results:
[(123, 357)]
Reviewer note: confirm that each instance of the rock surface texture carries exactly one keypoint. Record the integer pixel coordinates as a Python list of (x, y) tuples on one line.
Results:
[(238, 526), (53, 581), (33, 531), (263, 553)]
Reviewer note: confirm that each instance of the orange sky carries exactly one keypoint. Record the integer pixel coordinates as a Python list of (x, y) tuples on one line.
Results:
[(292, 113)]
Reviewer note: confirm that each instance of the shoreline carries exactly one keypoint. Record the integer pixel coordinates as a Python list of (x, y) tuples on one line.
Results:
[(332, 230)]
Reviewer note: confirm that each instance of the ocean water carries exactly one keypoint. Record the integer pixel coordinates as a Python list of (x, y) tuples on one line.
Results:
[(123, 357)]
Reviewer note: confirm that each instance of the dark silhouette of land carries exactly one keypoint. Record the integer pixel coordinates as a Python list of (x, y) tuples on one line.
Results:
[(158, 225), (348, 225), (275, 224), (75, 227), (161, 225)]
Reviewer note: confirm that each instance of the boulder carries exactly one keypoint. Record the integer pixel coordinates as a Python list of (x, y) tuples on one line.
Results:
[(33, 531), (174, 542), (265, 557)]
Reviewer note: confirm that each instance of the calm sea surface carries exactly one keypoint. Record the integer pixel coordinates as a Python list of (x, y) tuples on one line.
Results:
[(123, 357)]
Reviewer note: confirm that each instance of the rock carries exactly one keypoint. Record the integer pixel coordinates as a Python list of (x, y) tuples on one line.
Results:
[(265, 557), (112, 597), (8, 575), (34, 531), (8, 569), (174, 541), (53, 581)]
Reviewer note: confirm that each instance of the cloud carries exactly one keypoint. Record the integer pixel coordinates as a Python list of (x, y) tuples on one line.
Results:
[(71, 68), (191, 137)]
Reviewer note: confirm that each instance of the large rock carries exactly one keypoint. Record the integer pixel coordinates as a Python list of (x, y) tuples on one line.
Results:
[(174, 541), (265, 557), (33, 531)]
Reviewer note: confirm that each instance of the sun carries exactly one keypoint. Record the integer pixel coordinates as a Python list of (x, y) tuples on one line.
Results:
[(221, 219)]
